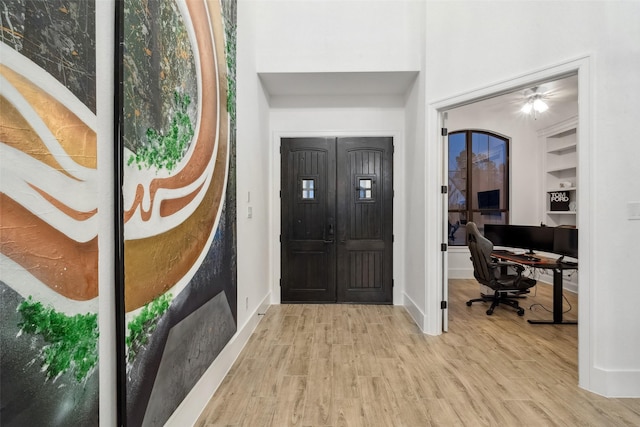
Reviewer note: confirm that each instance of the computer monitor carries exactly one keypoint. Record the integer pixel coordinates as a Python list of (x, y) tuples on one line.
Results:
[(489, 199), (497, 234), (528, 237), (533, 238), (565, 241)]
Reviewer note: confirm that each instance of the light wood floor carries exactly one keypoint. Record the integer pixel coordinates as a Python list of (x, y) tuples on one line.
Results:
[(339, 365)]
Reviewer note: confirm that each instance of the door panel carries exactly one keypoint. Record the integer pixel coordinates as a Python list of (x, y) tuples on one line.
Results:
[(364, 220), (337, 188), (308, 208)]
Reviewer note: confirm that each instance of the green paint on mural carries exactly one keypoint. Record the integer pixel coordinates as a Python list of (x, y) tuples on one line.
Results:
[(230, 52), (142, 326), (164, 149), (71, 342)]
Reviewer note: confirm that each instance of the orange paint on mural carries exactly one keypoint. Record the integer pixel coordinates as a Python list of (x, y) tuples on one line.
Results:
[(76, 138), (68, 267)]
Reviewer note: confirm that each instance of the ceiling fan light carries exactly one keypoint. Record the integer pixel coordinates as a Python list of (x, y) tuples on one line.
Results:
[(540, 106), (526, 108)]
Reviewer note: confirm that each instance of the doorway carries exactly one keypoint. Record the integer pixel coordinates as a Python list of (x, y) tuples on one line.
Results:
[(336, 237), (581, 67)]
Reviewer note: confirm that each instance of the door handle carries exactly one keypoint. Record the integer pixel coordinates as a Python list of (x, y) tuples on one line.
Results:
[(329, 232)]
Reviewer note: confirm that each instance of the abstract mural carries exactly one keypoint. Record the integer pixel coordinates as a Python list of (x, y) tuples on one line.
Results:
[(48, 214), (178, 193)]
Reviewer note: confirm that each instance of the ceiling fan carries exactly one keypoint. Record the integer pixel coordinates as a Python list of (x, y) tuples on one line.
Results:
[(535, 101)]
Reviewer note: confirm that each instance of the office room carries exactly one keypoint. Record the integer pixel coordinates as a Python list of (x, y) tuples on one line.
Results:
[(399, 69), (524, 155)]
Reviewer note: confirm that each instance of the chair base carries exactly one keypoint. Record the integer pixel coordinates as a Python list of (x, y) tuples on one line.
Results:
[(498, 298)]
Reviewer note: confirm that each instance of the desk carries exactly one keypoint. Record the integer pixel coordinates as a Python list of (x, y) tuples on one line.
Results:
[(544, 263)]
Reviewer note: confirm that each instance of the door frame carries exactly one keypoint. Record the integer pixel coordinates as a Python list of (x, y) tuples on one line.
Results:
[(275, 213), (582, 67)]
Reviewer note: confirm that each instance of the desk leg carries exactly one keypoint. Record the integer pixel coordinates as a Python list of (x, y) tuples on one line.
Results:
[(557, 303)]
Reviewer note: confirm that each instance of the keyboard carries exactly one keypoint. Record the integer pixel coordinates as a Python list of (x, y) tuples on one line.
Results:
[(501, 251), (569, 263), (523, 257)]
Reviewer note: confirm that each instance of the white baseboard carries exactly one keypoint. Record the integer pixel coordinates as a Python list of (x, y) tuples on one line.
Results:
[(465, 273), (460, 273), (192, 406), (615, 384), (416, 314), (567, 285)]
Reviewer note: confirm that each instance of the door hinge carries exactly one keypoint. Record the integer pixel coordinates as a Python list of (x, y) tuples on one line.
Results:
[(444, 132), (281, 238), (443, 305), (280, 282), (393, 238), (393, 283), (281, 194), (444, 189), (443, 247)]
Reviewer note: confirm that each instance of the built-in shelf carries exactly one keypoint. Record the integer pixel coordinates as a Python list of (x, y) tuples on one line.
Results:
[(560, 165), (559, 146), (559, 169), (571, 146), (562, 189)]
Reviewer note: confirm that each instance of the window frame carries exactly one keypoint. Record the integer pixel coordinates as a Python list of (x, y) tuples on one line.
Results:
[(469, 210)]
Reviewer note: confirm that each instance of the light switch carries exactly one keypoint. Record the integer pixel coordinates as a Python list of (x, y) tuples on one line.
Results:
[(633, 209), (249, 212)]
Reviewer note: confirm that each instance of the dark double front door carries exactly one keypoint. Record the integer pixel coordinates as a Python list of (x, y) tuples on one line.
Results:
[(337, 224)]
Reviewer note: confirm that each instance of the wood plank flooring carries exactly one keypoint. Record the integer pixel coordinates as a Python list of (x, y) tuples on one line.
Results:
[(357, 365)]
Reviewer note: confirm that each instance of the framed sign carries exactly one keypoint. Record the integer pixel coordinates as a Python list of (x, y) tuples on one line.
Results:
[(559, 200)]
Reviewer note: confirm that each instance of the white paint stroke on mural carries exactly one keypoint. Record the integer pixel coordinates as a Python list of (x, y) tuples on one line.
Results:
[(27, 285)]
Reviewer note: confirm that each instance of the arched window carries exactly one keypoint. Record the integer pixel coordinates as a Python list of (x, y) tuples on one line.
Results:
[(478, 183)]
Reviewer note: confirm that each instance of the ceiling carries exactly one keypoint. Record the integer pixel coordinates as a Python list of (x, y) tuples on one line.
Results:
[(338, 83), (561, 95), (333, 89)]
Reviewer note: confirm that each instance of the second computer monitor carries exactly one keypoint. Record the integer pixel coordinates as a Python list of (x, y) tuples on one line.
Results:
[(565, 241), (520, 236)]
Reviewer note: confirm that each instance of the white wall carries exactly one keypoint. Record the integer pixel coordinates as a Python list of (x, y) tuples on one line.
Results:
[(252, 171), (516, 38), (414, 263), (337, 36)]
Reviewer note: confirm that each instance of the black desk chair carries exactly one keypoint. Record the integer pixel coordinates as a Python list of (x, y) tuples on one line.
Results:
[(491, 272)]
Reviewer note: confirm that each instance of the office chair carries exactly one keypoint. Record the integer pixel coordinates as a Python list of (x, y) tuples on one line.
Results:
[(494, 274)]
